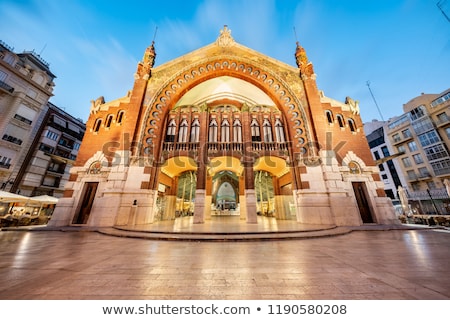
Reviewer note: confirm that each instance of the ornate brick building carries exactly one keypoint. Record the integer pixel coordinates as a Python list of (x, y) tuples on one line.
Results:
[(224, 130)]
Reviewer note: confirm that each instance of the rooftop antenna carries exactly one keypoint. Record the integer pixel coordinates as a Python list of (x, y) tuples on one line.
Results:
[(154, 36), (295, 34), (373, 97), (42, 49)]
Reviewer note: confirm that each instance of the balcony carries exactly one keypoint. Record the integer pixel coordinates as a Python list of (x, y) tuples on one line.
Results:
[(442, 121), (5, 165), (23, 119), (71, 133), (65, 145), (6, 87), (399, 140), (278, 148), (57, 171), (12, 139), (418, 177)]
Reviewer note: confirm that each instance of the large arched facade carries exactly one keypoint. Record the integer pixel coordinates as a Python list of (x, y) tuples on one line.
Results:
[(224, 130)]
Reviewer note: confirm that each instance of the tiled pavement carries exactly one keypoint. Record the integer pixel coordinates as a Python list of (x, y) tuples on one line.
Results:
[(370, 263)]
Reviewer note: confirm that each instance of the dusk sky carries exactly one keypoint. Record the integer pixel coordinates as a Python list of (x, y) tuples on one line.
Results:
[(401, 47)]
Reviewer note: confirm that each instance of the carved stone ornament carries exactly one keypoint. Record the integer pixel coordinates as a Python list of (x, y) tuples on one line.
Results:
[(225, 39), (354, 105), (95, 104)]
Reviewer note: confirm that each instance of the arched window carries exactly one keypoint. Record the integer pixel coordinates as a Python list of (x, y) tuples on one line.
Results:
[(329, 115), (351, 125), (120, 116), (225, 131), (97, 125), (267, 130), (108, 122), (340, 120), (237, 131), (182, 134), (171, 130), (279, 131), (256, 133), (212, 136), (195, 131)]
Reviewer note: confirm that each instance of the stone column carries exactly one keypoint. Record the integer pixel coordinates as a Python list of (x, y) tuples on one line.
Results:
[(200, 194), (279, 201), (200, 190), (171, 200), (249, 192)]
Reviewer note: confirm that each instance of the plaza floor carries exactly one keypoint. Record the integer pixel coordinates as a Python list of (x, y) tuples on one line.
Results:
[(371, 263)]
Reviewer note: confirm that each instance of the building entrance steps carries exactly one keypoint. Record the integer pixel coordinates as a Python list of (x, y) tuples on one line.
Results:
[(230, 228)]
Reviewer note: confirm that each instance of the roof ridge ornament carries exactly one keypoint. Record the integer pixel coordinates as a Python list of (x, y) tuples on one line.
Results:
[(225, 39)]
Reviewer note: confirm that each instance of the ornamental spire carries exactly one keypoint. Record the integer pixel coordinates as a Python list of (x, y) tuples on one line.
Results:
[(305, 66), (225, 39), (300, 56)]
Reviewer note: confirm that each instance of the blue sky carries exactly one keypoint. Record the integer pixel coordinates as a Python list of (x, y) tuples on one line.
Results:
[(401, 47)]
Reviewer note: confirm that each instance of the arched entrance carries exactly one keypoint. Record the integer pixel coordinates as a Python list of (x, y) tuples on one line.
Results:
[(185, 194), (225, 193), (265, 201)]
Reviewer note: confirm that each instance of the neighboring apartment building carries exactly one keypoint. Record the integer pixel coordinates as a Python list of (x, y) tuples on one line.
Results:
[(39, 140), (26, 84), (384, 155), (46, 167), (420, 139)]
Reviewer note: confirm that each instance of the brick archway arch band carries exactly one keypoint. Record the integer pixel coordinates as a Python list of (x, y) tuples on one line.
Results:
[(159, 102)]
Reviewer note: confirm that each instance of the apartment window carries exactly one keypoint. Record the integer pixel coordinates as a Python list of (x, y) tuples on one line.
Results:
[(412, 146), (447, 131), (3, 75), (381, 167), (401, 149), (52, 135), (415, 186), (406, 162), (5, 162), (46, 148), (384, 176), (76, 146), (417, 112), (376, 154), (417, 158), (385, 151), (441, 167), (429, 138), (411, 174), (436, 152), (396, 137), (431, 185), (406, 133), (440, 100), (442, 117), (423, 172)]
